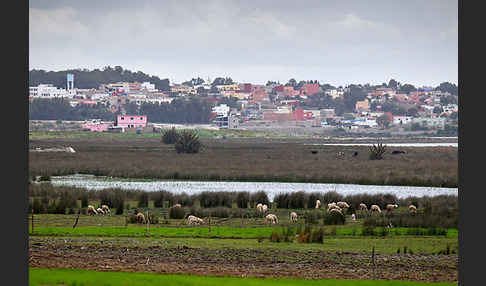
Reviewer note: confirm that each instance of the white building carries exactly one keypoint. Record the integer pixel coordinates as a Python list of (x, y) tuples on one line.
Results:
[(430, 122), (148, 86), (48, 91), (334, 93), (221, 109), (397, 120)]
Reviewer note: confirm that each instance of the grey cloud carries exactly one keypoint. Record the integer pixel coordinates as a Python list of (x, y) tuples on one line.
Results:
[(251, 40)]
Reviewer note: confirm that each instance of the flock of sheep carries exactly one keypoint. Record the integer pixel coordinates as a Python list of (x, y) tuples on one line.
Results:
[(263, 209), (103, 210)]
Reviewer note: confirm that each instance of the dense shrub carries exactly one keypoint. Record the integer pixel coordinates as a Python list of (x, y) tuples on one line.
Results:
[(242, 199), (143, 200), (334, 218), (221, 212), (170, 136), (162, 196), (329, 197), (298, 200), (215, 199), (188, 142), (176, 213), (285, 234), (38, 206)]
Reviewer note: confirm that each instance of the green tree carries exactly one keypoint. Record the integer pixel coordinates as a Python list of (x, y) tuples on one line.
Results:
[(407, 88)]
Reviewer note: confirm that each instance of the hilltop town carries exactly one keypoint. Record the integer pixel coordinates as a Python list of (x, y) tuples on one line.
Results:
[(224, 103)]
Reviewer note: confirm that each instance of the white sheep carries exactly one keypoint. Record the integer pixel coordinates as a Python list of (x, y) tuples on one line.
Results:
[(342, 205), (412, 208), (259, 208), (177, 206), (194, 220), (293, 216), (264, 208), (105, 208), (375, 208), (92, 210), (140, 218), (271, 218), (100, 211), (318, 204), (336, 210), (390, 207), (363, 207), (330, 206), (353, 217)]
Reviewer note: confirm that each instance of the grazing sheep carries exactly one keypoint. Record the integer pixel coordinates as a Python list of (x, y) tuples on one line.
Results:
[(140, 218), (100, 211), (390, 207), (293, 216), (259, 208), (331, 205), (318, 204), (342, 205), (177, 206), (363, 207), (335, 207), (194, 220), (412, 208), (353, 217), (336, 210), (264, 208), (105, 208), (375, 208), (92, 210), (271, 218)]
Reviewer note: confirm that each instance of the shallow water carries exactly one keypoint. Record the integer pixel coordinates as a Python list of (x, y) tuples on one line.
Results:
[(271, 188)]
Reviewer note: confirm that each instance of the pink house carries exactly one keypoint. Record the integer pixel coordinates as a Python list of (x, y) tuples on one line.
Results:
[(131, 121)]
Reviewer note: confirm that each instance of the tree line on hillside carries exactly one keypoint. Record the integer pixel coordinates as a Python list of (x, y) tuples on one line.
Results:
[(84, 78), (192, 110), (60, 109)]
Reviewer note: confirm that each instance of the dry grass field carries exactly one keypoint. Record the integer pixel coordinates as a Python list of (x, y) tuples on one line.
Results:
[(246, 159)]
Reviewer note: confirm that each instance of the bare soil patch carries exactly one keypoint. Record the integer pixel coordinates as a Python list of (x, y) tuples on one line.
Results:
[(60, 253)]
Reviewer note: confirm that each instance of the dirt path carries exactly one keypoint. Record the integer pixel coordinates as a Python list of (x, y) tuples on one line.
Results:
[(56, 253)]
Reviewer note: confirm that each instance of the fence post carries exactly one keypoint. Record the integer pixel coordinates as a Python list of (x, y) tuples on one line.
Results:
[(373, 262), (209, 223), (76, 222), (148, 223), (32, 220)]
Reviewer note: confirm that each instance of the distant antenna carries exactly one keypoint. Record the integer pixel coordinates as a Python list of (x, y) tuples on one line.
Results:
[(70, 81)]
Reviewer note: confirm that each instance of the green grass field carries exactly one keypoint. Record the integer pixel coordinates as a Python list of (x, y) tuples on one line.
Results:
[(389, 245), (71, 277), (216, 231)]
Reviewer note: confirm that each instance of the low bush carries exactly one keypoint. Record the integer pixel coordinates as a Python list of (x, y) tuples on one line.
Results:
[(170, 136), (188, 142), (177, 213), (143, 200), (334, 218)]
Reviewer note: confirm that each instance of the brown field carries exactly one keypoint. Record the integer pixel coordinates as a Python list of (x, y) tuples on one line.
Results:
[(246, 159), (314, 264)]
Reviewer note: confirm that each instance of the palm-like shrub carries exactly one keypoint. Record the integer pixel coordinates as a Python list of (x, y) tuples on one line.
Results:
[(377, 151), (170, 136), (188, 142)]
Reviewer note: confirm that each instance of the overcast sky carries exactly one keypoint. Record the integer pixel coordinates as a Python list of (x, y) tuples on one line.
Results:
[(336, 42)]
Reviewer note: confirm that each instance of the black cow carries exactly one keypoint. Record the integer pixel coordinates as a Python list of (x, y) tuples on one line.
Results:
[(355, 154), (398, 152)]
